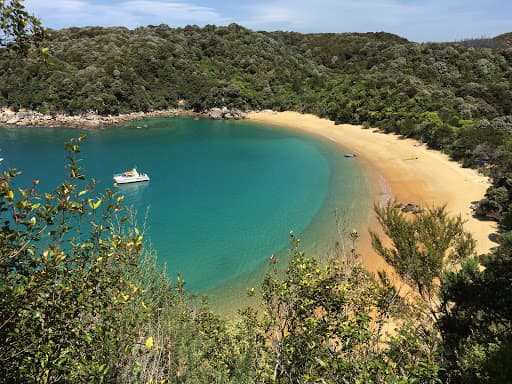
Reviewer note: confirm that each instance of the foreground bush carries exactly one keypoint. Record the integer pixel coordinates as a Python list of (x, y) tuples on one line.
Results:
[(82, 302), (66, 265)]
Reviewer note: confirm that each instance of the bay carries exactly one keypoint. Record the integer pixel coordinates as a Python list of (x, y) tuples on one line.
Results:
[(223, 195)]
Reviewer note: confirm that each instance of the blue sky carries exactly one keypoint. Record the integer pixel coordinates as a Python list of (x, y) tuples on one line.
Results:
[(417, 20)]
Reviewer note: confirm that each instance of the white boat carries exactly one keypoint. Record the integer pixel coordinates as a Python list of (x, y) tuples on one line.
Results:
[(130, 177)]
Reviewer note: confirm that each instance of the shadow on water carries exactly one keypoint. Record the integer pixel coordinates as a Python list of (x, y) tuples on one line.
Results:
[(132, 192)]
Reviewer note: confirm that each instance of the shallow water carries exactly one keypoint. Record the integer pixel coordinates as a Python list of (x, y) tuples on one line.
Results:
[(223, 196)]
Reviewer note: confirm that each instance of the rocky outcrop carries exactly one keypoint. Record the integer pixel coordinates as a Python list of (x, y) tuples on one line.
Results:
[(225, 113), (86, 120), (22, 118), (92, 120)]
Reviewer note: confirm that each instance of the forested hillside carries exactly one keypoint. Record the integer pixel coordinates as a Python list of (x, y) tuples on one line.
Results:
[(101, 313), (117, 70)]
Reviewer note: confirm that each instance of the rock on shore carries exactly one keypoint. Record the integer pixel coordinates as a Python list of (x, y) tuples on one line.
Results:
[(92, 120), (86, 120), (225, 114)]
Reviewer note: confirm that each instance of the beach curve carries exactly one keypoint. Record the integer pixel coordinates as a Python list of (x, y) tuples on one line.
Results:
[(401, 169)]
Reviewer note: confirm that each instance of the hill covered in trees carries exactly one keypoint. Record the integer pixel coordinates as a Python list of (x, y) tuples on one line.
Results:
[(94, 311)]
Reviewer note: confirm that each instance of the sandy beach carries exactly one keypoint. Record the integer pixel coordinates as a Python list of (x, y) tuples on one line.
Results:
[(401, 169)]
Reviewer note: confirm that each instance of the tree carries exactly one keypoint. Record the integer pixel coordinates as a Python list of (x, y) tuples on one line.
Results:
[(67, 262), (325, 324), (422, 247), (82, 302), (477, 318), (19, 29)]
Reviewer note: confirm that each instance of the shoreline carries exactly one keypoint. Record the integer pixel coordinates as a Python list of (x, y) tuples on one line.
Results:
[(401, 169), (418, 175), (91, 120)]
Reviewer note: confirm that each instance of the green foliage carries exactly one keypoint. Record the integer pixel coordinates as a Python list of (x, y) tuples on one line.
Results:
[(65, 268), (415, 352), (18, 29), (325, 324), (81, 302), (477, 321), (188, 343), (114, 70), (423, 246)]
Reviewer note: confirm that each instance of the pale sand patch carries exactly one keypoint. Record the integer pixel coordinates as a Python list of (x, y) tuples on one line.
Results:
[(399, 168)]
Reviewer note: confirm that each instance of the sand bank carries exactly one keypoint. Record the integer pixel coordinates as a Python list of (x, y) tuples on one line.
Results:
[(403, 169)]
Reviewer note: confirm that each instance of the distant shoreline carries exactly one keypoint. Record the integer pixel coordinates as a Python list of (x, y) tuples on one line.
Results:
[(401, 169), (92, 120)]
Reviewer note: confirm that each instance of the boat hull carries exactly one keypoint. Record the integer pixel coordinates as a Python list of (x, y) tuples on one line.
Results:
[(127, 180)]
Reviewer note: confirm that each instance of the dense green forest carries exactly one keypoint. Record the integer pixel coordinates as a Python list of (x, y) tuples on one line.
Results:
[(93, 307)]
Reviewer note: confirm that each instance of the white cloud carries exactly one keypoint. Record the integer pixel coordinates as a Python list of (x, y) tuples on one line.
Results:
[(55, 5), (328, 15), (173, 11), (129, 13), (273, 14)]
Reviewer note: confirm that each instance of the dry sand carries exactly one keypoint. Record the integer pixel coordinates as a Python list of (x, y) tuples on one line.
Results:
[(401, 169)]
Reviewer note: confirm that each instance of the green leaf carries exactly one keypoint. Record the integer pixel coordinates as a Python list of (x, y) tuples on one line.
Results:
[(97, 204)]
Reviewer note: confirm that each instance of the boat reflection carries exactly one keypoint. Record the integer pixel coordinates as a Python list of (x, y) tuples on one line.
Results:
[(132, 192)]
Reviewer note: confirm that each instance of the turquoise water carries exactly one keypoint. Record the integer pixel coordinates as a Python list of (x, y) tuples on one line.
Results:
[(223, 196)]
